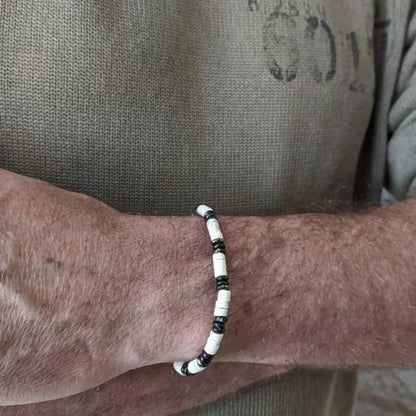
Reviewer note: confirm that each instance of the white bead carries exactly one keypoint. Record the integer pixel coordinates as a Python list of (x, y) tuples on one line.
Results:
[(194, 367), (202, 209), (221, 304), (220, 311), (177, 366), (224, 294), (211, 349), (213, 343), (220, 266), (214, 230)]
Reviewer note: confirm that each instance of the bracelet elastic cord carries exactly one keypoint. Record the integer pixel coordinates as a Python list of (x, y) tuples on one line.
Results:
[(200, 363)]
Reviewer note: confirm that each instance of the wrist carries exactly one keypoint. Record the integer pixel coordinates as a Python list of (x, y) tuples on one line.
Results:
[(172, 290)]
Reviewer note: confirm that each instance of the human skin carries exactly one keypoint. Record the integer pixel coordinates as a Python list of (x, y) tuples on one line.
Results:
[(88, 293), (151, 391)]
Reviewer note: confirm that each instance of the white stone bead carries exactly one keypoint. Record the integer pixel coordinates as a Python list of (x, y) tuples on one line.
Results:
[(220, 266), (177, 366), (202, 209), (194, 367), (220, 311), (224, 294), (213, 343), (221, 304), (211, 349), (214, 230)]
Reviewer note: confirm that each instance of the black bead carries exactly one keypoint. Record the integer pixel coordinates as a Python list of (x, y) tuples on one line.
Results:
[(222, 282), (219, 250), (218, 246), (184, 369), (222, 286), (218, 327), (222, 279), (205, 358), (209, 215)]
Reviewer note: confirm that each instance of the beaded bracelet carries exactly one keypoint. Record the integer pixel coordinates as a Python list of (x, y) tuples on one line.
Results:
[(200, 363)]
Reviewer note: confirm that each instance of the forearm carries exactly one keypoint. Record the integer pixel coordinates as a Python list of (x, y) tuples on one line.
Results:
[(311, 290), (88, 293), (64, 296)]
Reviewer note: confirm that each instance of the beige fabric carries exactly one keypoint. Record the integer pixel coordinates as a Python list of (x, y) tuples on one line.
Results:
[(303, 393), (389, 41), (156, 106), (402, 117)]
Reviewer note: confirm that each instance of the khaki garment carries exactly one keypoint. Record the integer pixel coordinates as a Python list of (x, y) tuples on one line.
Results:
[(251, 106), (155, 106)]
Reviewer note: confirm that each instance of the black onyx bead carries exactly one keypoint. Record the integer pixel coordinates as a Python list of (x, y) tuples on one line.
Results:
[(219, 250), (223, 319), (209, 215), (222, 286), (218, 327), (218, 246), (205, 358), (222, 279), (222, 282), (184, 369)]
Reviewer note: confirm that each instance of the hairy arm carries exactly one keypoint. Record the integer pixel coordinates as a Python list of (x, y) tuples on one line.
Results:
[(88, 293)]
